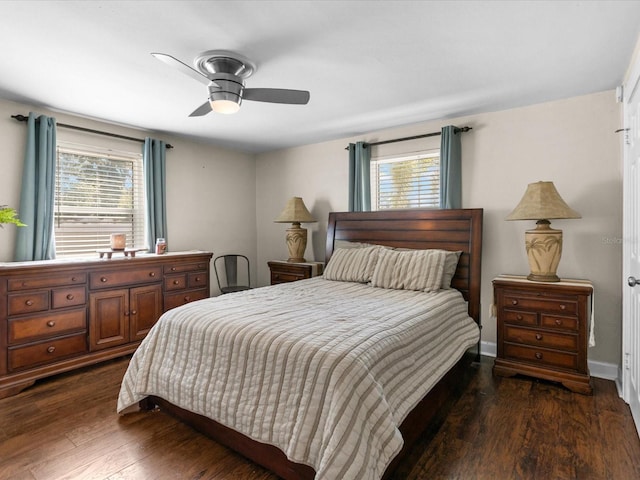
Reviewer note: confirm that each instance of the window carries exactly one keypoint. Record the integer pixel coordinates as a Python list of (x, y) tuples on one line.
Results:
[(98, 192), (410, 181)]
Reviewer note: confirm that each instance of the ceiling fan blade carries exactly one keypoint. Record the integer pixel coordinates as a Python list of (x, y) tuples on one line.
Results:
[(183, 67), (201, 110), (276, 95)]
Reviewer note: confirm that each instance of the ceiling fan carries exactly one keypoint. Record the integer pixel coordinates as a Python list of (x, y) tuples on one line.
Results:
[(224, 73)]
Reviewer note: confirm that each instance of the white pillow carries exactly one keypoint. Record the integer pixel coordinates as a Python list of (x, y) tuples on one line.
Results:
[(352, 264), (420, 270)]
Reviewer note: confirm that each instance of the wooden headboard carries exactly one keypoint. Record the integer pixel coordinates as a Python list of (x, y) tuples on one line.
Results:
[(420, 229)]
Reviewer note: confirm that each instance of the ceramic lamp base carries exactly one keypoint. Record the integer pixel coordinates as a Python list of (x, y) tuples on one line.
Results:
[(544, 249), (296, 243)]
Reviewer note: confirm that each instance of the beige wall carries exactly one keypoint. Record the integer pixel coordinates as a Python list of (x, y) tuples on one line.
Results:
[(225, 201), (570, 142), (210, 190)]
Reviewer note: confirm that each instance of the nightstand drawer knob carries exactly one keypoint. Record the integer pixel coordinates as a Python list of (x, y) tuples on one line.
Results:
[(51, 349), (538, 336), (538, 355), (514, 302), (519, 317)]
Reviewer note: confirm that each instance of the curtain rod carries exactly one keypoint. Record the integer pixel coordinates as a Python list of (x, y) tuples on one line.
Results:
[(404, 139), (22, 118)]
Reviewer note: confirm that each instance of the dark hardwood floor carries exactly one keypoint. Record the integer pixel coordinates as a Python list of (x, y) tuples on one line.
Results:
[(500, 428)]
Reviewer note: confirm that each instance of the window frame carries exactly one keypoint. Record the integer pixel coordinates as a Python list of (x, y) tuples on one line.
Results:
[(399, 158), (91, 236)]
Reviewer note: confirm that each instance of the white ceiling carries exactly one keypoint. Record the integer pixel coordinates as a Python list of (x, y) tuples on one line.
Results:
[(368, 64)]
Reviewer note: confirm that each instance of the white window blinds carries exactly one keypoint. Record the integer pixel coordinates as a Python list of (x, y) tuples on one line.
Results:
[(406, 182), (97, 193)]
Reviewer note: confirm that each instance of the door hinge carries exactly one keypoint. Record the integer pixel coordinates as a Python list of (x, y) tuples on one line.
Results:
[(627, 361)]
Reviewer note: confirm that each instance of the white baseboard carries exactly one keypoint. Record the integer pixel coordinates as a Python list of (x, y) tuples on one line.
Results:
[(608, 371)]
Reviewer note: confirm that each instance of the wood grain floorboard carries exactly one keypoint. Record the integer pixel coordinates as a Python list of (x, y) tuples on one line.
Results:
[(65, 427)]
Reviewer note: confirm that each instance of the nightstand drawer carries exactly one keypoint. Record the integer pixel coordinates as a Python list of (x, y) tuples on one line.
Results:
[(541, 338), (520, 318), (563, 323), (539, 303), (540, 356)]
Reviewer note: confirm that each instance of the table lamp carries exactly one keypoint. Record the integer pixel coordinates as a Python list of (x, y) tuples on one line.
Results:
[(542, 202), (295, 212)]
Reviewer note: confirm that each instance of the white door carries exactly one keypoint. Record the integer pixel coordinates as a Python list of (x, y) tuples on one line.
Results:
[(631, 250)]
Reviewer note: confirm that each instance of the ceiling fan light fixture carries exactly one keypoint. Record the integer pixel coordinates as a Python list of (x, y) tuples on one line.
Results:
[(225, 106), (224, 102)]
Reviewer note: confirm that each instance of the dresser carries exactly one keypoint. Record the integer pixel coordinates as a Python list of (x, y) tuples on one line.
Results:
[(543, 330), (283, 271), (59, 315)]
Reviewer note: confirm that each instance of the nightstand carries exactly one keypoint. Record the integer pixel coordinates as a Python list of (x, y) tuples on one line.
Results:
[(283, 271), (543, 330)]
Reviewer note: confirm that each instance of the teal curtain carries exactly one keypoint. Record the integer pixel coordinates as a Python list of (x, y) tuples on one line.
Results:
[(154, 165), (36, 241), (450, 168), (359, 177)]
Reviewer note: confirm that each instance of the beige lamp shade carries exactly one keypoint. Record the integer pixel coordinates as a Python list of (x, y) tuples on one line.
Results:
[(295, 212), (542, 202)]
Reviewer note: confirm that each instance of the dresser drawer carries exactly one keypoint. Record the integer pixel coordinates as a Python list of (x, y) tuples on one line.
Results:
[(540, 356), (185, 267), (125, 277), (175, 282), (540, 303), (45, 326), (46, 352), (29, 283), (68, 297), (196, 280), (541, 338), (173, 300), (30, 302)]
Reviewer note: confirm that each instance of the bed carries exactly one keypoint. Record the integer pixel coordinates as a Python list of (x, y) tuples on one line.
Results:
[(330, 377)]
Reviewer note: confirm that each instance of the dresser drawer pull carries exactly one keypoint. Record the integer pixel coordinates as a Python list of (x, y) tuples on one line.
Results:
[(538, 355), (197, 279), (70, 296), (519, 317), (538, 336), (134, 312), (28, 303), (514, 302), (563, 306), (103, 279), (187, 298), (51, 349), (74, 279), (152, 274), (51, 323), (173, 269), (176, 282), (558, 321)]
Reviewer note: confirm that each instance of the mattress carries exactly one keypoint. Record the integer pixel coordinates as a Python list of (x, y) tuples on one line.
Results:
[(324, 370)]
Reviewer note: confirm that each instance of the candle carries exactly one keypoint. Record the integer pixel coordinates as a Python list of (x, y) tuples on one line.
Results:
[(118, 241)]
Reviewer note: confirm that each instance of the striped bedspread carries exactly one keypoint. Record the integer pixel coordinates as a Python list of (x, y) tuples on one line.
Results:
[(324, 370)]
